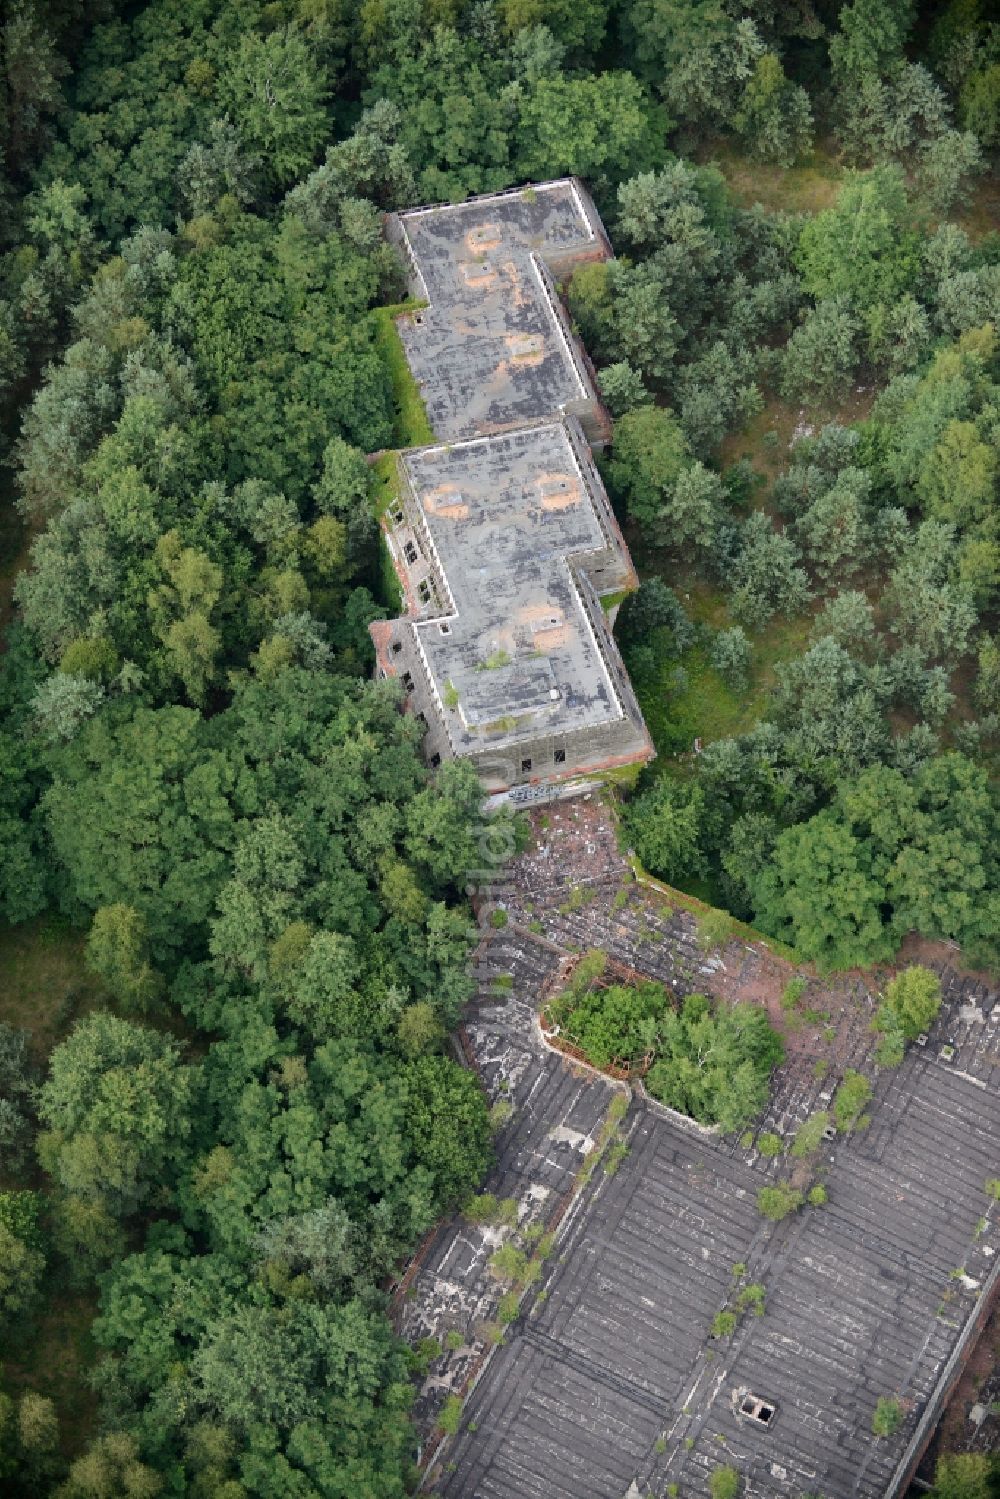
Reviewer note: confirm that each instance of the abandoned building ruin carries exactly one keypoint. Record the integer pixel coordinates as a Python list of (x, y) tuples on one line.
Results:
[(493, 347), (613, 1379), (502, 535)]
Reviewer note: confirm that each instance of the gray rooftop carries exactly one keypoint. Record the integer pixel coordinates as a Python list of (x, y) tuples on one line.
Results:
[(492, 348), (610, 1376), (504, 514)]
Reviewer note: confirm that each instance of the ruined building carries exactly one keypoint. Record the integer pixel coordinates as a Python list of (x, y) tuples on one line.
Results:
[(493, 347), (502, 535)]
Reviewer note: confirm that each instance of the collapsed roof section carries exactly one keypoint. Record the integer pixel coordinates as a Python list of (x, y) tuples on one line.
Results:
[(493, 347)]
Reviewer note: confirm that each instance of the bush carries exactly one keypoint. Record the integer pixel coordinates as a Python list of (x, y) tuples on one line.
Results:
[(714, 1061), (888, 1416), (481, 1209), (911, 1004), (612, 1026), (510, 1264), (423, 1355), (809, 1135), (451, 1415), (731, 657), (487, 1209), (716, 929), (723, 1324), (752, 1298), (777, 1202), (793, 992), (769, 1144), (508, 1308), (891, 1049), (817, 1195), (724, 1483), (849, 1102)]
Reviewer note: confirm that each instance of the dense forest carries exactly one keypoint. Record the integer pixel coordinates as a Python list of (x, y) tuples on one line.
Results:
[(217, 1152)]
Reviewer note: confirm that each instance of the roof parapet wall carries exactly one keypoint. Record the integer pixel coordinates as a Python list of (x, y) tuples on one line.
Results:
[(493, 347), (501, 534)]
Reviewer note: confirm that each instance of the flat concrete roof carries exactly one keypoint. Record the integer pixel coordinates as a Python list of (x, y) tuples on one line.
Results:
[(609, 1382), (492, 348), (516, 654)]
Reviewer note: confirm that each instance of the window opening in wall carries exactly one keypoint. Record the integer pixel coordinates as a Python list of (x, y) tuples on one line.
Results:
[(408, 681), (444, 628), (424, 590), (559, 756), (410, 552), (435, 761), (397, 646), (525, 766)]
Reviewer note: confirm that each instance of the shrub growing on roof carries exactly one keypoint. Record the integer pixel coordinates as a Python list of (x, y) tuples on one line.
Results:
[(714, 1060)]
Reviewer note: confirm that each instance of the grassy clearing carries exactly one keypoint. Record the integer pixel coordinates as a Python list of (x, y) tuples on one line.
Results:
[(44, 986), (390, 591), (808, 187), (411, 428), (983, 213), (386, 481), (386, 489), (685, 698), (622, 776), (767, 439), (15, 543), (56, 1361), (697, 703)]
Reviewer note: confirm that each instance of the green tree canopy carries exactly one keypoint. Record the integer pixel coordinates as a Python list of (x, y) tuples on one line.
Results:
[(116, 1109), (714, 1061)]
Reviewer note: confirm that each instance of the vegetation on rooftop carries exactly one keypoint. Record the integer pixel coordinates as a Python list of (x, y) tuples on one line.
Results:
[(888, 1416), (710, 1060), (410, 426)]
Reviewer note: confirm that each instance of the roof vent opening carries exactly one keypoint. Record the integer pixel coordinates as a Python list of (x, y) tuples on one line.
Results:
[(755, 1409)]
